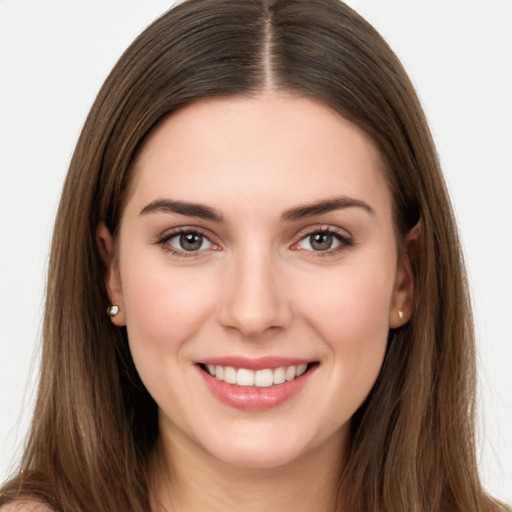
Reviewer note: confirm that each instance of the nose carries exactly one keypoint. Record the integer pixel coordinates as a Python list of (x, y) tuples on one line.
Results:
[(254, 297)]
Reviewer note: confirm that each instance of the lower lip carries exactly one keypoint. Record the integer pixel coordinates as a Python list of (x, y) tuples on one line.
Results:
[(252, 398)]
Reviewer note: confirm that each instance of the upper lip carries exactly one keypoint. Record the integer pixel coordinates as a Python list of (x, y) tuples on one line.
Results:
[(251, 363)]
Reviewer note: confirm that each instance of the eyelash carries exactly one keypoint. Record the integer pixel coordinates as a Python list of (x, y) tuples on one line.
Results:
[(344, 240), (164, 239)]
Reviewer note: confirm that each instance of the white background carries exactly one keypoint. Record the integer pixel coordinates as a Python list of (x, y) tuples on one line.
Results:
[(54, 55)]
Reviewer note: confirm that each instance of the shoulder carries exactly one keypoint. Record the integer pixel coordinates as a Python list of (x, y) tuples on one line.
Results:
[(25, 506)]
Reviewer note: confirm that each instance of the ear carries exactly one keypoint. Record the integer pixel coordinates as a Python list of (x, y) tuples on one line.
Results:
[(402, 301), (113, 284)]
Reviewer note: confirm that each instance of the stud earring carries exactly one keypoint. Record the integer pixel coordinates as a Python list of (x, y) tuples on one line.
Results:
[(112, 310), (400, 315)]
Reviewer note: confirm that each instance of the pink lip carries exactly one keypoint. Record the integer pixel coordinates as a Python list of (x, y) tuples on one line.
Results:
[(252, 398), (258, 363)]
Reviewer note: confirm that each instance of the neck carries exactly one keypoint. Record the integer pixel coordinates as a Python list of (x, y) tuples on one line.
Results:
[(190, 480)]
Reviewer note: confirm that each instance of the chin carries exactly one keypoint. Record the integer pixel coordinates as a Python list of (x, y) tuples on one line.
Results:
[(260, 457), (267, 448)]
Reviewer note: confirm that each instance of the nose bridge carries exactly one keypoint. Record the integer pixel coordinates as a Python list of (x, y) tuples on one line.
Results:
[(253, 297)]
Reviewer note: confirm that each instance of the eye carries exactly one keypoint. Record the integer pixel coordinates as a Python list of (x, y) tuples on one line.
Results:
[(323, 241), (188, 241), (319, 242)]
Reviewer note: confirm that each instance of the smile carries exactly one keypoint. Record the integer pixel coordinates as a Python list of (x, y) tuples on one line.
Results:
[(263, 378), (256, 384)]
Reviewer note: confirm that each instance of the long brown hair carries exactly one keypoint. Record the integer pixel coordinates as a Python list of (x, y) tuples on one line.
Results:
[(95, 425)]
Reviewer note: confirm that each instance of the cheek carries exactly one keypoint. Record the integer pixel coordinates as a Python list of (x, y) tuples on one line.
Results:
[(352, 303), (351, 315), (164, 307)]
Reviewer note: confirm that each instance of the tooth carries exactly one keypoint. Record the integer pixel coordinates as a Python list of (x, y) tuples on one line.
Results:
[(300, 370), (230, 375), (264, 378), (245, 377), (279, 375), (290, 373)]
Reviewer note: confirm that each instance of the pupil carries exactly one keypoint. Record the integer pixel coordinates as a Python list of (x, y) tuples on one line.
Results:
[(321, 241), (191, 241)]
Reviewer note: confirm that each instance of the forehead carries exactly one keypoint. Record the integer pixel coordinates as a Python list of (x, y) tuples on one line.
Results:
[(266, 149)]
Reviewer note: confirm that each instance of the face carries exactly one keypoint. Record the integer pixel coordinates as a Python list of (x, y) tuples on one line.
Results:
[(257, 274)]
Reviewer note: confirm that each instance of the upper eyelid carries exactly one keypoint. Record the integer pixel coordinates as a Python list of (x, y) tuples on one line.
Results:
[(172, 232), (323, 228)]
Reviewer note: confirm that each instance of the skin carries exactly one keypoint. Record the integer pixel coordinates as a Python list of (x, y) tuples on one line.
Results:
[(257, 287)]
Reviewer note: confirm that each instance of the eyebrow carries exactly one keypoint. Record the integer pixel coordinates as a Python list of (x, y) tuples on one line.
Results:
[(183, 208), (202, 211), (325, 206)]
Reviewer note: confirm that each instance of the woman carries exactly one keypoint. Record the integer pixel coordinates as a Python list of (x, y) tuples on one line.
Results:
[(288, 322)]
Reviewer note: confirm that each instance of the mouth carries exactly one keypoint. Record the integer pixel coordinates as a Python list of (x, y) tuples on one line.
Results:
[(261, 378), (255, 384)]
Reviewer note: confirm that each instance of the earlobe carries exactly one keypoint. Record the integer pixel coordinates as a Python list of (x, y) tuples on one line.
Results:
[(112, 277), (402, 303)]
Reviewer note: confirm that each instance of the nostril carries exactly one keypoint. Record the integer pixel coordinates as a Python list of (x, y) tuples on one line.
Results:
[(252, 322)]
